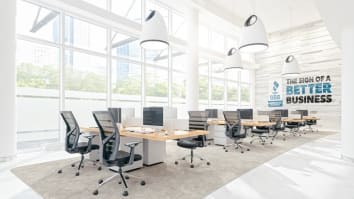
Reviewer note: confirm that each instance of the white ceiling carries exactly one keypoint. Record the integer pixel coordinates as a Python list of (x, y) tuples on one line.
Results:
[(275, 14)]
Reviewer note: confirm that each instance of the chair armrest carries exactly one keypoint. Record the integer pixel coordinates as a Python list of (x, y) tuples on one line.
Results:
[(132, 146), (90, 138)]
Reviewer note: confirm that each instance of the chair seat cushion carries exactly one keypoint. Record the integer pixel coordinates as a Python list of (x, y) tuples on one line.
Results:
[(189, 144), (289, 126), (123, 158), (82, 146), (259, 131)]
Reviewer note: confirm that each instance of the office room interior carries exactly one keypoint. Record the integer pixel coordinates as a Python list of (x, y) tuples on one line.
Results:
[(196, 99)]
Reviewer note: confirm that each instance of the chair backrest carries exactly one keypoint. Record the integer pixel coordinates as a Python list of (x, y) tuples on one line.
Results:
[(275, 116), (72, 130), (232, 123), (109, 135), (198, 120)]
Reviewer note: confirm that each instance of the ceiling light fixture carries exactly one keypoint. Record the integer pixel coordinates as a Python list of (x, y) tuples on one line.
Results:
[(233, 60), (290, 67), (253, 36), (154, 33)]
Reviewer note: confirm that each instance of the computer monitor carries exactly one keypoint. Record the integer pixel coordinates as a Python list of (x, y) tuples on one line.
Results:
[(246, 114), (116, 113), (212, 113), (153, 116), (284, 112), (303, 112)]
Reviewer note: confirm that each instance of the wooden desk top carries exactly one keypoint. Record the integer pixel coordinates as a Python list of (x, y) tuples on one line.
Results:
[(257, 123), (155, 136), (292, 120), (310, 118), (243, 123)]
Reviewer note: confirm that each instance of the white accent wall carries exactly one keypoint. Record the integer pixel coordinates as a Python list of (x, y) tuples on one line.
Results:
[(317, 54)]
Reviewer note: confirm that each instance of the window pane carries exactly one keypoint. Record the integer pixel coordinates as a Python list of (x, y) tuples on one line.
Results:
[(232, 74), (125, 46), (203, 66), (85, 75), (203, 89), (232, 93), (178, 26), (99, 3), (37, 77), (179, 87), (84, 35), (217, 42), (217, 91), (245, 95), (126, 81), (217, 70), (130, 9), (245, 76), (203, 36), (156, 84), (38, 22), (157, 57)]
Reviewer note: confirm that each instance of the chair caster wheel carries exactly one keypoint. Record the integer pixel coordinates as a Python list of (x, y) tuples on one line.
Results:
[(224, 147), (208, 163), (192, 166), (73, 165), (82, 166), (142, 183), (60, 171), (262, 143), (248, 149), (125, 193), (226, 150), (271, 142), (99, 168), (127, 177), (120, 182), (100, 181), (242, 151), (284, 139), (95, 192), (183, 158), (77, 173), (201, 159), (176, 162)]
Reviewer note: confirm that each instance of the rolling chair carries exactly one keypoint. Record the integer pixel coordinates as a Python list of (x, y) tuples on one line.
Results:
[(72, 144), (197, 121), (294, 127), (262, 133), (275, 116), (110, 153), (233, 130), (309, 124)]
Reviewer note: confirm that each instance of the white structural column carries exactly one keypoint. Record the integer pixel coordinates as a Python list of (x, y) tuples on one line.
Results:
[(192, 92), (7, 79), (347, 41)]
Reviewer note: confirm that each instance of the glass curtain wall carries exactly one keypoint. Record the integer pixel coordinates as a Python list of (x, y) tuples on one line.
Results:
[(68, 63)]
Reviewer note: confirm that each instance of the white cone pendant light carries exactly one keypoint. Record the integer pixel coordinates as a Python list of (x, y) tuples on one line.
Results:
[(154, 33), (253, 36), (233, 60), (290, 67)]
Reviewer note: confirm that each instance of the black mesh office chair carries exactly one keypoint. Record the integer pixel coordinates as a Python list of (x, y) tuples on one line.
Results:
[(197, 121), (233, 130), (72, 144), (262, 133), (110, 153), (275, 116), (294, 127)]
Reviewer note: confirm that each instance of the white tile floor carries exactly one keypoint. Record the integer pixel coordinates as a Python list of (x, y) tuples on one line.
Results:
[(312, 171)]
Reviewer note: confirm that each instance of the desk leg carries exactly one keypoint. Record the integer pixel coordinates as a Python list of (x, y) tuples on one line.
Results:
[(154, 152)]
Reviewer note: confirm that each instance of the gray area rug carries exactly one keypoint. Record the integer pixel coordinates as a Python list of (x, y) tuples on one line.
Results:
[(165, 180)]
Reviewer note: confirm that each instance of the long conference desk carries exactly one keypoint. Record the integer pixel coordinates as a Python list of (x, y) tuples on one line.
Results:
[(153, 143)]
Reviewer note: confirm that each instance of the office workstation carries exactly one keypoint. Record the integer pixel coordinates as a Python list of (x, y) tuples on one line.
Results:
[(213, 99)]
